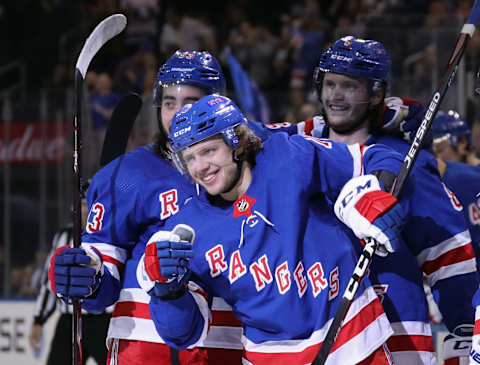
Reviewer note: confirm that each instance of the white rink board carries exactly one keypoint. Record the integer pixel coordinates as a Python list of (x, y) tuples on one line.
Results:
[(16, 318)]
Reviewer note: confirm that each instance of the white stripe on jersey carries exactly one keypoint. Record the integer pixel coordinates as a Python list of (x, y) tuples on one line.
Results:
[(139, 326), (113, 257), (354, 349), (442, 260)]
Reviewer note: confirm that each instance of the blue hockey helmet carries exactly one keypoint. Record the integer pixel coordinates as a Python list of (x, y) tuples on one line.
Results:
[(355, 57), (450, 125), (197, 68), (211, 115)]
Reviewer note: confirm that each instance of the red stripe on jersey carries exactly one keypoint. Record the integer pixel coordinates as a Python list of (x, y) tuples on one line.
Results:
[(120, 266), (459, 254), (410, 343), (309, 127), (202, 293), (452, 361), (362, 151), (131, 309), (225, 318), (357, 324), (283, 358), (476, 327), (351, 329)]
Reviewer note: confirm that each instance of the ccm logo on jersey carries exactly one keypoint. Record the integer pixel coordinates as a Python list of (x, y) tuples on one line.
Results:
[(169, 203), (283, 276)]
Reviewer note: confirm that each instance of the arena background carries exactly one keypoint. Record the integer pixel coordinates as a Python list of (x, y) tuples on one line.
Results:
[(277, 43)]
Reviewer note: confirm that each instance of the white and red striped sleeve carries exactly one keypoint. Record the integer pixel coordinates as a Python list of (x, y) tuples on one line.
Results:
[(454, 256)]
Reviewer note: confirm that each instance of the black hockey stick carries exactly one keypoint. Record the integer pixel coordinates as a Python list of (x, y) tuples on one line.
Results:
[(119, 127), (103, 32), (366, 256)]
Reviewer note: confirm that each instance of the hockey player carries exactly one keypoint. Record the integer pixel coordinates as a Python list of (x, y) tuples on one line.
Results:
[(451, 140), (266, 239), (135, 190), (351, 80)]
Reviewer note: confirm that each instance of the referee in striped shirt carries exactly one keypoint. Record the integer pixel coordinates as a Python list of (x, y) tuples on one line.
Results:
[(94, 326)]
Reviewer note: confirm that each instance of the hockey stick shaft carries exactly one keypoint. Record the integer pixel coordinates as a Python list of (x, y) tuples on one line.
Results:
[(366, 256), (119, 127), (102, 33)]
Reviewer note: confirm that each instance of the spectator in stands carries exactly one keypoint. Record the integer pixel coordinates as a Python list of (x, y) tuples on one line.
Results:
[(142, 20), (181, 31), (130, 72), (102, 101), (476, 138)]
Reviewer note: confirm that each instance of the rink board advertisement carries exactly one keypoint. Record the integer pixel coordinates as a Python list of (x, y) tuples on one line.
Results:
[(16, 318)]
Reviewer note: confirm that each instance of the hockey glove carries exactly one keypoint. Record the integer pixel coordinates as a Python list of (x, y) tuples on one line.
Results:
[(404, 116), (164, 269), (75, 273), (370, 212)]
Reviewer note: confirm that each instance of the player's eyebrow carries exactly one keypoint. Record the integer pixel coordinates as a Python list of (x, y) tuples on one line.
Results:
[(191, 99)]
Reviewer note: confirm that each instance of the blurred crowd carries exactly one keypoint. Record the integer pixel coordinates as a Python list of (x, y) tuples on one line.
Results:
[(278, 44)]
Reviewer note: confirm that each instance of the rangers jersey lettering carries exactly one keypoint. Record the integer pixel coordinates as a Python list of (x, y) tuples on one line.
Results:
[(283, 274)]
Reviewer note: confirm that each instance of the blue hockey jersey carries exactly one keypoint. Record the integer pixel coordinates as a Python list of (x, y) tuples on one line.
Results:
[(439, 247), (125, 198), (279, 257), (464, 180)]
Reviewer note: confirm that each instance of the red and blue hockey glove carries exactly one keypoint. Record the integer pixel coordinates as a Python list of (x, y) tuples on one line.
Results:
[(75, 273), (370, 212), (164, 269)]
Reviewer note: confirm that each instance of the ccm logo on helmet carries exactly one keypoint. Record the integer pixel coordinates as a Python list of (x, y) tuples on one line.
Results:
[(341, 58), (182, 131)]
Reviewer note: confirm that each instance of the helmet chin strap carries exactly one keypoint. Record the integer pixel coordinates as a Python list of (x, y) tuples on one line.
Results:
[(348, 129), (238, 173)]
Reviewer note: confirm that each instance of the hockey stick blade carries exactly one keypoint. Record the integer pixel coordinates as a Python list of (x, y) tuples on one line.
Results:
[(366, 256), (119, 127), (103, 32)]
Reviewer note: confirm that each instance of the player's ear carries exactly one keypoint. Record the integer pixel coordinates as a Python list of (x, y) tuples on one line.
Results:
[(378, 95)]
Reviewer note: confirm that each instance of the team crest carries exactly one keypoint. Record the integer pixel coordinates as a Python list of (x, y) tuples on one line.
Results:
[(243, 206)]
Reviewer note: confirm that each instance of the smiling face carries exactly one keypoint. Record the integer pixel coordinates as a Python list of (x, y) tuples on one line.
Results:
[(346, 101), (210, 164), (174, 97)]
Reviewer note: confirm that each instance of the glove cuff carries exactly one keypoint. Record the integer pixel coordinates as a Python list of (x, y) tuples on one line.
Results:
[(142, 276), (172, 295), (96, 260)]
